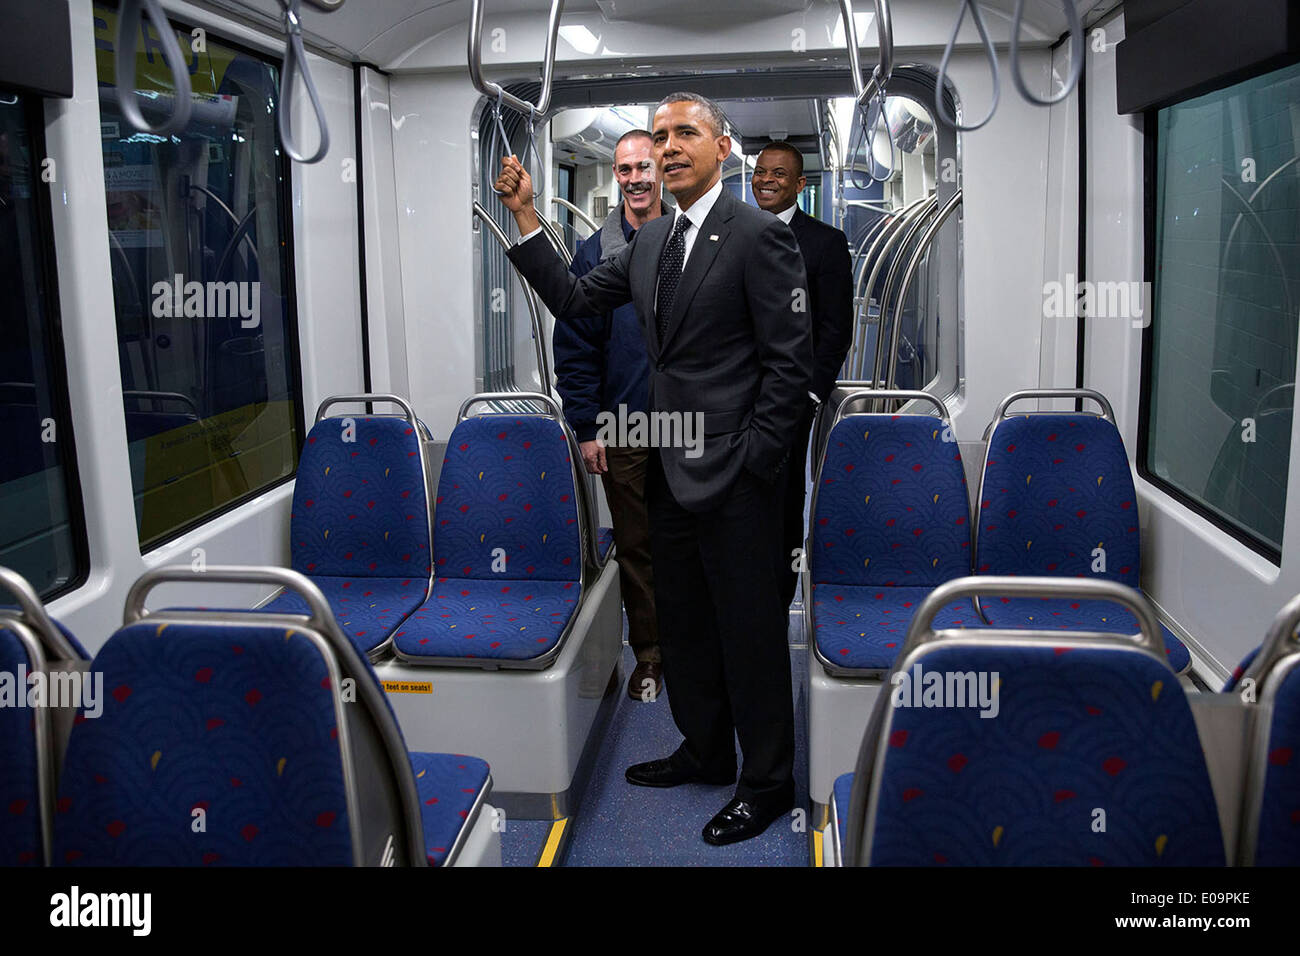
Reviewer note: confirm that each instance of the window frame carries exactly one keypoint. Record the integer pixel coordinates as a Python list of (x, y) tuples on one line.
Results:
[(285, 219), (47, 254), (1150, 179)]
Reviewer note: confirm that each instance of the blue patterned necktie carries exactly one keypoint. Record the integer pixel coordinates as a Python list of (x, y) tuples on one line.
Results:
[(670, 273)]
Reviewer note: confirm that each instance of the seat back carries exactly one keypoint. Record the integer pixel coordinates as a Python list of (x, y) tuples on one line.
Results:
[(360, 501), (236, 738), (890, 506), (1270, 819), (508, 503), (40, 664), (1057, 496), (1033, 748)]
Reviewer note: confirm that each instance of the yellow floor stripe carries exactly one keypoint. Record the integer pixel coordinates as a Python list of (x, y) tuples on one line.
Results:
[(552, 842), (817, 848)]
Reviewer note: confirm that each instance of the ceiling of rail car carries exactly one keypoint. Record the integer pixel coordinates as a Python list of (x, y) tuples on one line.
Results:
[(371, 29)]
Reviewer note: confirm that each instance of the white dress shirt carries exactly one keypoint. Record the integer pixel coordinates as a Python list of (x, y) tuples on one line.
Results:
[(786, 214)]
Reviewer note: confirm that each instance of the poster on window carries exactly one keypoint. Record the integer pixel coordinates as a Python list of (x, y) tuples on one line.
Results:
[(134, 218)]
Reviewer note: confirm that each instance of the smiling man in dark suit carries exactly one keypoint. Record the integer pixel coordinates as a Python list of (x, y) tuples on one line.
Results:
[(777, 182), (718, 289)]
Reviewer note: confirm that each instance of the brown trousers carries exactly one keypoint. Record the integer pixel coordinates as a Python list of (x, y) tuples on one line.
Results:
[(625, 491)]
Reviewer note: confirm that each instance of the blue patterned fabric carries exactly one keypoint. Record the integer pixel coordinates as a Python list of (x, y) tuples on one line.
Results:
[(1068, 615), (604, 541), (360, 507), (1057, 488), (449, 784), (892, 508), (495, 620), (71, 638), (368, 609), (1279, 813), (864, 628), (20, 808), (1240, 669), (507, 483), (843, 792), (236, 721), (1077, 731)]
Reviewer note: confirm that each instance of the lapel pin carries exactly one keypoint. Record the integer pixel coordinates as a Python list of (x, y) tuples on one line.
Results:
[(713, 238)]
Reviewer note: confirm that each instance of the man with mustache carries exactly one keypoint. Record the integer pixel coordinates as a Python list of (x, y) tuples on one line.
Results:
[(777, 182), (718, 288), (600, 364)]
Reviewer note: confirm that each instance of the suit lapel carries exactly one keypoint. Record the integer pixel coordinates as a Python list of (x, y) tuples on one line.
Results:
[(703, 252)]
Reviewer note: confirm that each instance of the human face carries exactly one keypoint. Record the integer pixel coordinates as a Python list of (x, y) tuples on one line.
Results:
[(776, 186), (688, 152), (637, 175)]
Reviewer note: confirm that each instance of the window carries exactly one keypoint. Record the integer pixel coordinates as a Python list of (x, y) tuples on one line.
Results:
[(42, 531), (202, 283), (1221, 351)]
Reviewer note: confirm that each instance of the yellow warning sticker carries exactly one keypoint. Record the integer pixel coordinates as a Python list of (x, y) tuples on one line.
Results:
[(408, 686)]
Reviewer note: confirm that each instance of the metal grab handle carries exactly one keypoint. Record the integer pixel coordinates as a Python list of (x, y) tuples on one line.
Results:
[(407, 408), (490, 89), (863, 92), (922, 247), (1076, 54), (1149, 635), (893, 394), (321, 616), (909, 230), (29, 604), (548, 400), (534, 314), (990, 54), (295, 62), (865, 136), (1106, 411), (1281, 633), (128, 29), (591, 223)]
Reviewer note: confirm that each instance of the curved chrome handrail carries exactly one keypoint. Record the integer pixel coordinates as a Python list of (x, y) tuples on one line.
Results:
[(1000, 412), (916, 223), (875, 257), (864, 91), (493, 90), (30, 607), (922, 247), (128, 30), (407, 408), (587, 220)]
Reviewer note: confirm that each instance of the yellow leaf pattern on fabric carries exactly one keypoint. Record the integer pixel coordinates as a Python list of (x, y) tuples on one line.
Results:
[(1156, 688), (1160, 844), (279, 766), (997, 835), (153, 761)]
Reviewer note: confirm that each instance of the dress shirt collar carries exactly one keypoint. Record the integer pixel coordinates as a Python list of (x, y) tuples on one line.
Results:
[(785, 215), (701, 208)]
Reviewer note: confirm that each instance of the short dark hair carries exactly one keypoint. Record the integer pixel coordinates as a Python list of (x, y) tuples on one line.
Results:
[(717, 118), (632, 134), (785, 147)]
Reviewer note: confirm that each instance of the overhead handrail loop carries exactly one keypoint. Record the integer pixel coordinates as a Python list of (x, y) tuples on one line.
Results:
[(295, 62), (989, 53), (492, 90), (863, 92), (128, 30), (1076, 54)]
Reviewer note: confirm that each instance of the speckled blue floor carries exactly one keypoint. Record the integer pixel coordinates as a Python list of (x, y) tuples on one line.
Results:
[(522, 842), (618, 824)]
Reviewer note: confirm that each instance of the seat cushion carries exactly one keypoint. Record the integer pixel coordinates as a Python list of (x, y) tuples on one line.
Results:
[(842, 791), (1239, 670), (491, 620), (360, 506), (604, 541), (863, 628), (449, 785), (20, 807), (1069, 733), (240, 723), (368, 609), (1067, 615), (1278, 841)]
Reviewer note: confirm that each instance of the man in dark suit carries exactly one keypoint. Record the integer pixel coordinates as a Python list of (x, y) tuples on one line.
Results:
[(716, 288), (777, 182)]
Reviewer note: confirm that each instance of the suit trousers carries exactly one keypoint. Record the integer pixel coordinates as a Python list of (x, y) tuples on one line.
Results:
[(793, 526), (723, 632), (625, 491)]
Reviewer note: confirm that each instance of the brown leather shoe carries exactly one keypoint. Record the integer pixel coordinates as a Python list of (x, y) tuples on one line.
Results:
[(646, 682)]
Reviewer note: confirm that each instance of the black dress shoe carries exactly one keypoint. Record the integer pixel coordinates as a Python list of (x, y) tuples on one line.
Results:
[(743, 820), (673, 771)]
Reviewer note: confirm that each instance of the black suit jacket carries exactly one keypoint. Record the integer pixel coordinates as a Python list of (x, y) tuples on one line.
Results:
[(829, 267), (735, 349)]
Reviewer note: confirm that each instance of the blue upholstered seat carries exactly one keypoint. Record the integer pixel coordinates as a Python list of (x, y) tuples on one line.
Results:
[(507, 551), (842, 792), (360, 520), (1058, 501), (604, 541), (890, 522), (1239, 670), (20, 806), (1078, 732), (1278, 839), (449, 786)]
